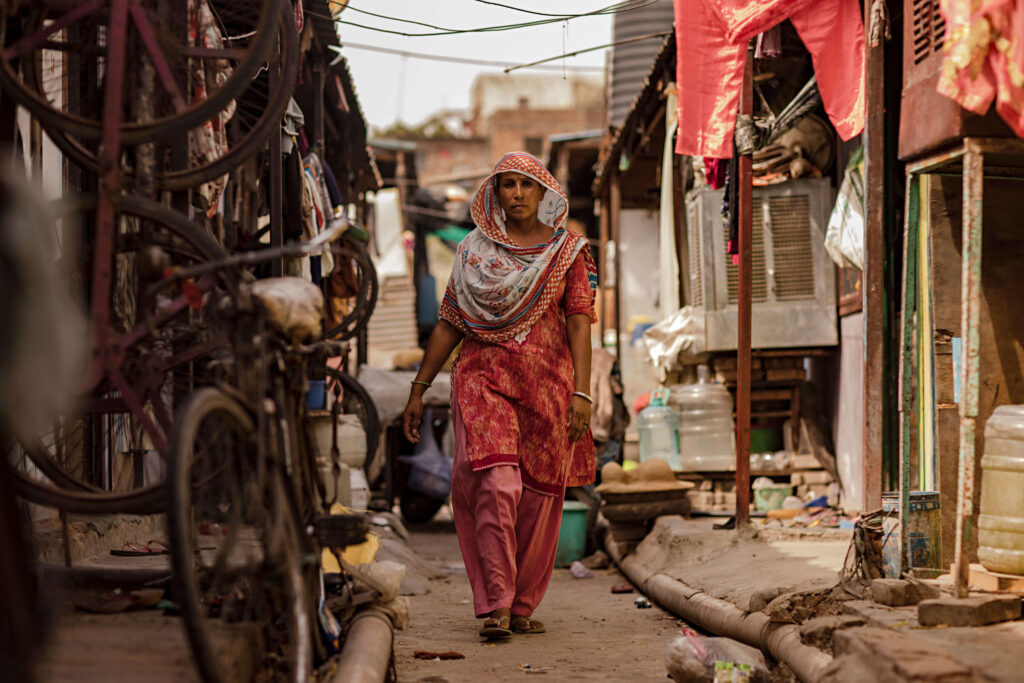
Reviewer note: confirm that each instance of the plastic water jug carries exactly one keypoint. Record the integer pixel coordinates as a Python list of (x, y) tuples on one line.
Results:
[(706, 430), (658, 430), (1001, 523)]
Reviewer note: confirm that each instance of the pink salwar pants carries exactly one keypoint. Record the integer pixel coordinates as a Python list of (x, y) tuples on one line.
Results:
[(508, 534)]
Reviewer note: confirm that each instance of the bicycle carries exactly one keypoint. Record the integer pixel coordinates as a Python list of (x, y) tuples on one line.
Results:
[(244, 490)]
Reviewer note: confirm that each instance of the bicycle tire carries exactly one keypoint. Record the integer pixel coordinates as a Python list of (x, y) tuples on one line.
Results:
[(251, 143), (356, 400), (63, 491), (366, 293), (280, 561), (27, 92)]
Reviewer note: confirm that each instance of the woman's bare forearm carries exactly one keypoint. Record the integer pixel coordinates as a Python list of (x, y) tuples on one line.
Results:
[(577, 328), (442, 342)]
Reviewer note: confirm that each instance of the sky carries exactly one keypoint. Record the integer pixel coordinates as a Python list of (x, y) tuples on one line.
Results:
[(393, 88)]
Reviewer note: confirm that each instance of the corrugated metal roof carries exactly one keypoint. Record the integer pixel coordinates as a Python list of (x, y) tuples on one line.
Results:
[(631, 62), (648, 91)]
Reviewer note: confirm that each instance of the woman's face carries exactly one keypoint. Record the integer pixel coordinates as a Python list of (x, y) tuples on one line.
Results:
[(519, 195)]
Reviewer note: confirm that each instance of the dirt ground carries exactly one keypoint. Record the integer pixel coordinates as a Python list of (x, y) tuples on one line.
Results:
[(592, 634)]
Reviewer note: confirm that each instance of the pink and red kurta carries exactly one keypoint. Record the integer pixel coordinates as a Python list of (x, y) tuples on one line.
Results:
[(511, 391)]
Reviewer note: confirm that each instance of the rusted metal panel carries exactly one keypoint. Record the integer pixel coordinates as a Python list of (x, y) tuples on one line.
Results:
[(744, 309), (970, 313), (907, 388)]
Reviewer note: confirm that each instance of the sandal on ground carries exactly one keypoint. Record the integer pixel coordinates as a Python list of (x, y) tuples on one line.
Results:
[(522, 624), (496, 627)]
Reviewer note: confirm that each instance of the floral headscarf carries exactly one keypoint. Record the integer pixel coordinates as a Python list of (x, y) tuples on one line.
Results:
[(498, 289)]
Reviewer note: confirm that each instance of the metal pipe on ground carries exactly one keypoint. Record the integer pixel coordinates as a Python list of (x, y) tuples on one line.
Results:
[(367, 650), (781, 641)]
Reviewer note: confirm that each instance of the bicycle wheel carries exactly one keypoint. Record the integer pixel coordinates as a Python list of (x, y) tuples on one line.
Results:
[(64, 53), (236, 545), (356, 401), (350, 291), (106, 454), (256, 114)]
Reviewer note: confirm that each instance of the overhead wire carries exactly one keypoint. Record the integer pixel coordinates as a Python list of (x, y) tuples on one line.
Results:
[(614, 8), (641, 3), (588, 49), (449, 58)]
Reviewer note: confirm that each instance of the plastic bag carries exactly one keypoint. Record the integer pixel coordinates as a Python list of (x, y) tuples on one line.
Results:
[(844, 238), (431, 472), (677, 340), (692, 658)]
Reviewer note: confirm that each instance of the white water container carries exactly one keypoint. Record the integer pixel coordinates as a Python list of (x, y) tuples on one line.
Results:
[(707, 437), (1001, 523), (658, 431)]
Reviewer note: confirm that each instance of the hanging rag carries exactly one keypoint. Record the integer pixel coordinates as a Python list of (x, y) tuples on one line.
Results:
[(984, 57), (711, 40)]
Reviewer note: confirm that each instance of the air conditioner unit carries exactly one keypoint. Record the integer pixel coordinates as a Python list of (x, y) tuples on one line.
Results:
[(794, 280)]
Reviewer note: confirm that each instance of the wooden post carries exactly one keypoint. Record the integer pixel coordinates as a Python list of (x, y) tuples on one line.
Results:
[(616, 229), (873, 279), (745, 303), (970, 314), (605, 236)]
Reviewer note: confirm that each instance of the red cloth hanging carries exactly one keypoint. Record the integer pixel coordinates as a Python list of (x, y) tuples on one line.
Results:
[(711, 36)]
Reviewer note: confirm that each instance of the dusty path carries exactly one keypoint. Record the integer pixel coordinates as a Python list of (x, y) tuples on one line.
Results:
[(592, 635)]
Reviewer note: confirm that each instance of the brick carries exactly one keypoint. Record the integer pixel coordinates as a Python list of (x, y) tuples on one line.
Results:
[(900, 593), (974, 611)]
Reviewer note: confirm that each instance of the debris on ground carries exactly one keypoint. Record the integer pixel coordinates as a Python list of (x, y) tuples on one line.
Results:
[(642, 603), (598, 560), (622, 588), (802, 606), (118, 601), (427, 655), (579, 571), (693, 658)]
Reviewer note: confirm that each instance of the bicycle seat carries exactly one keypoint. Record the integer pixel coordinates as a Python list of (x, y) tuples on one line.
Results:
[(294, 307)]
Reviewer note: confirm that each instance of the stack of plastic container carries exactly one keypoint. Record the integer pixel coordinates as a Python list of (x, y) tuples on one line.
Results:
[(706, 429)]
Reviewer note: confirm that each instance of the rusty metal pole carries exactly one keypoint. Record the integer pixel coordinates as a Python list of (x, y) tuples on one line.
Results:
[(745, 303), (970, 312), (276, 175), (873, 278)]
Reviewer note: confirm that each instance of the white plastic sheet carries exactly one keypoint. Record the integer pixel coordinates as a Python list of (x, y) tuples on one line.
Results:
[(844, 238), (677, 340)]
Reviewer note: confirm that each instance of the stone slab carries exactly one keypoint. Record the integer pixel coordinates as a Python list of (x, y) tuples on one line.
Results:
[(972, 611), (900, 592), (883, 655)]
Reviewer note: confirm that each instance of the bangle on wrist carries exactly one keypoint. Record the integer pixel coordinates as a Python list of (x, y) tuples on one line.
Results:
[(419, 381), (585, 397)]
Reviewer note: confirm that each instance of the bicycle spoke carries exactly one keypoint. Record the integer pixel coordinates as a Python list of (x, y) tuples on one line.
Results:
[(163, 70)]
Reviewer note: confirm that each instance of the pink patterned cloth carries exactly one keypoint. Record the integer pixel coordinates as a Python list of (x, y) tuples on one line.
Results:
[(984, 57), (508, 533), (498, 289), (515, 396), (711, 43)]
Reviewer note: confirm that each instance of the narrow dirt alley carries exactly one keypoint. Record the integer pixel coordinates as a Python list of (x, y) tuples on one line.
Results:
[(592, 634)]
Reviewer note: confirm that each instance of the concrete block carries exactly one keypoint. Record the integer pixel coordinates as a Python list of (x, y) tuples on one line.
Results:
[(886, 655), (900, 593), (973, 611), (818, 631)]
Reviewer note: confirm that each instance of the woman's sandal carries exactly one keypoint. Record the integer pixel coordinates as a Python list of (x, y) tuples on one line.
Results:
[(496, 627), (522, 624)]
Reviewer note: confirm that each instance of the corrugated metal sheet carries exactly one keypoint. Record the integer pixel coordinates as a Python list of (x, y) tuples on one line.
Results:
[(632, 62)]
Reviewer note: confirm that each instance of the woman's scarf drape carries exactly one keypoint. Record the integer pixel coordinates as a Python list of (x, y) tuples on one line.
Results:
[(497, 289)]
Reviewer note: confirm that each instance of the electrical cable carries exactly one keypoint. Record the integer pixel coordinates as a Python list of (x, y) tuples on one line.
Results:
[(643, 3), (589, 49), (449, 58), (442, 31)]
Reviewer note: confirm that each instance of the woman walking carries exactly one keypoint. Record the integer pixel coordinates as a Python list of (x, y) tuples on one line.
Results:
[(521, 298)]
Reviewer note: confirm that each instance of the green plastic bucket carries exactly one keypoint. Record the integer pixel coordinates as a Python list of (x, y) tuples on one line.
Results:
[(924, 532), (572, 536)]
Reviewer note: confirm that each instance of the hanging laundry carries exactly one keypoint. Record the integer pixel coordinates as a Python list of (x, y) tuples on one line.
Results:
[(711, 40), (715, 171), (209, 141), (984, 57)]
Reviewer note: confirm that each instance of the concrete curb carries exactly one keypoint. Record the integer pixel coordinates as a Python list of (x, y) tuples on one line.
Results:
[(781, 641)]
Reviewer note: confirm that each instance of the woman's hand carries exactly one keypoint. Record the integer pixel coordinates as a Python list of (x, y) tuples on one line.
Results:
[(579, 418), (412, 415)]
